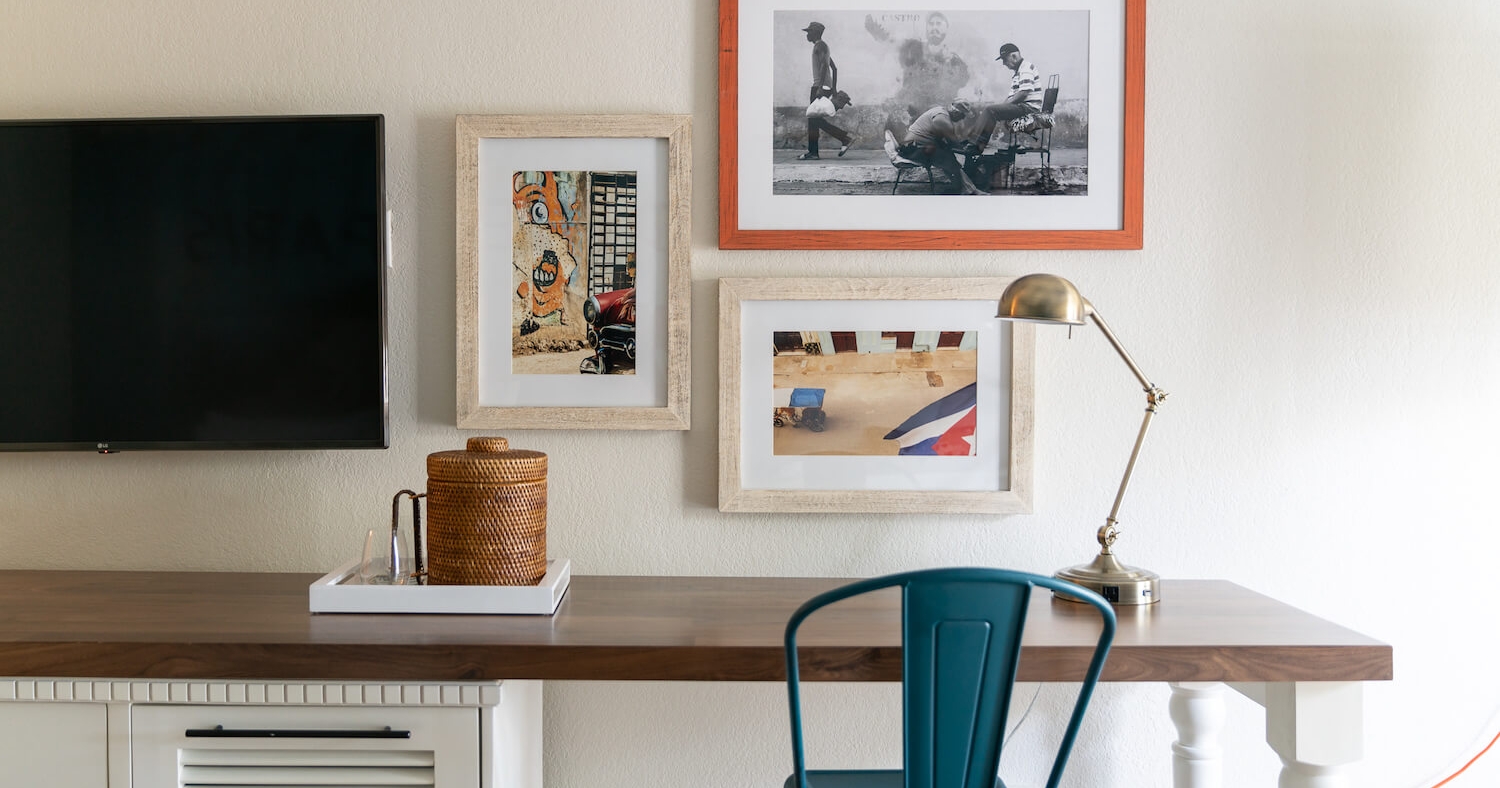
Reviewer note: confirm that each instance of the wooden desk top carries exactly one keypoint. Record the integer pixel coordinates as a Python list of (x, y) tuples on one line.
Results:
[(202, 625)]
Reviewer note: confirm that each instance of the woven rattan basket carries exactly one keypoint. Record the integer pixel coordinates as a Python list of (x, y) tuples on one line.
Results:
[(486, 515)]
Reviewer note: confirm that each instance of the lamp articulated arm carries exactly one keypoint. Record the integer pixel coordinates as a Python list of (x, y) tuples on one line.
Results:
[(1110, 531)]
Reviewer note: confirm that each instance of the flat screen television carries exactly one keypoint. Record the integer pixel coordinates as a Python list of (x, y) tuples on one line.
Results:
[(193, 283)]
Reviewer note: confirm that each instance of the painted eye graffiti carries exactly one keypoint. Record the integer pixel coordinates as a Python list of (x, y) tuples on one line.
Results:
[(539, 213)]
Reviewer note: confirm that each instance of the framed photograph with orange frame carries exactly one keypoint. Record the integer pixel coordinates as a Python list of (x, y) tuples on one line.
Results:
[(1001, 124)]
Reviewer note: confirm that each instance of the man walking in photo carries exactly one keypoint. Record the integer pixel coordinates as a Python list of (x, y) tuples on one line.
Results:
[(825, 84)]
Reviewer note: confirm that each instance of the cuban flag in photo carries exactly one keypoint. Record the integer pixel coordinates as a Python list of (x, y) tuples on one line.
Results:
[(946, 427)]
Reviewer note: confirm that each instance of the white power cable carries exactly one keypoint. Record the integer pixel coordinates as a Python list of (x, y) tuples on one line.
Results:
[(1024, 715)]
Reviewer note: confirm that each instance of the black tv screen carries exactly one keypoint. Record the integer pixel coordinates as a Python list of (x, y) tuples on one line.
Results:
[(193, 283)]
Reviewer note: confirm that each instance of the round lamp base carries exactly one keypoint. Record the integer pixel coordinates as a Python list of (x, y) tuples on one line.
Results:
[(1117, 583)]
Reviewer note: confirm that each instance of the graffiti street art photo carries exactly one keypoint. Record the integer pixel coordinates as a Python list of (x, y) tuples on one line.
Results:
[(874, 393), (574, 272), (966, 102), (574, 267)]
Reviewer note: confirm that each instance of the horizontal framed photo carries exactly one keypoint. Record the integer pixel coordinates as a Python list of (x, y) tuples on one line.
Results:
[(573, 271), (996, 124), (873, 395)]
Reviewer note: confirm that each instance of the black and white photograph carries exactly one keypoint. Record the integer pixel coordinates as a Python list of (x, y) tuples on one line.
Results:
[(930, 102), (852, 126)]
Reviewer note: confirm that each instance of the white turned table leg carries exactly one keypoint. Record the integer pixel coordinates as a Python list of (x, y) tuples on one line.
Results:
[(1197, 710)]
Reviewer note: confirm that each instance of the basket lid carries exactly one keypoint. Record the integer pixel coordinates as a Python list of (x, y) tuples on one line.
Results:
[(487, 460)]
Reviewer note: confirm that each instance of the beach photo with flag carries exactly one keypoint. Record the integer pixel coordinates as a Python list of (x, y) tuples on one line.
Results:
[(843, 392), (946, 427)]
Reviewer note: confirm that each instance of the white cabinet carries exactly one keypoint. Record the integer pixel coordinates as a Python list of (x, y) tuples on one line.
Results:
[(100, 733), (54, 744)]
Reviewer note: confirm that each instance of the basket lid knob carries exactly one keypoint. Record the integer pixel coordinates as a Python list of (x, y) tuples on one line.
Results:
[(491, 444)]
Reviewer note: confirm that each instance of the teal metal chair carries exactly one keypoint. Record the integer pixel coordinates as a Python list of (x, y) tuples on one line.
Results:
[(961, 640)]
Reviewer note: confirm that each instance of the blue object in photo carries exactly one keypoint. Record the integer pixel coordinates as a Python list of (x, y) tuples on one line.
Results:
[(806, 398)]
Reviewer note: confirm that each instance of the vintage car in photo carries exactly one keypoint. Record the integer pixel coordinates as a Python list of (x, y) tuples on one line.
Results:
[(611, 331), (799, 407)]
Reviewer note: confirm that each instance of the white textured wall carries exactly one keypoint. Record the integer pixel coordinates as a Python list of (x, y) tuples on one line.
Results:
[(1315, 290)]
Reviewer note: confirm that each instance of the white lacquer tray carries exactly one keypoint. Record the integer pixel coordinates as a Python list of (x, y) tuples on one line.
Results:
[(341, 591)]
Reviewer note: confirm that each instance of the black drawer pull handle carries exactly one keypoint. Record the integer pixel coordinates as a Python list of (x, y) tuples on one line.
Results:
[(220, 732)]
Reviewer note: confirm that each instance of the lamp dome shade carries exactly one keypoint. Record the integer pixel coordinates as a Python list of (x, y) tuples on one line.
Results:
[(1043, 298)]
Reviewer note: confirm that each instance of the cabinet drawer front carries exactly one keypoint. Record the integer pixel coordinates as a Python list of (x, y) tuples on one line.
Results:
[(190, 745)]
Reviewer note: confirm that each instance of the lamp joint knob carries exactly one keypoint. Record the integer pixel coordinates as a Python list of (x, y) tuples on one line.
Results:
[(1108, 533)]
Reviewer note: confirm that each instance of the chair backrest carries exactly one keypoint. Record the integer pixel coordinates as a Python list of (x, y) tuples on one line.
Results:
[(1049, 96), (961, 640)]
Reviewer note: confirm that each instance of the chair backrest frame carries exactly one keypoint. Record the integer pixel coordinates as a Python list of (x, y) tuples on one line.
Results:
[(1049, 95), (953, 706)]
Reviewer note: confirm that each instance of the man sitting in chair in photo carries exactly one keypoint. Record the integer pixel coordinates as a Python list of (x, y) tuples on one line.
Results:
[(933, 138), (1025, 94)]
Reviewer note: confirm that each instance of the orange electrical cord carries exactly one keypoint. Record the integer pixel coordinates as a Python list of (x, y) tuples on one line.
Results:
[(1486, 749)]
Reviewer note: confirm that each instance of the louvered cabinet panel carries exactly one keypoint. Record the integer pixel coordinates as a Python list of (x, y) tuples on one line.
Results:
[(187, 746)]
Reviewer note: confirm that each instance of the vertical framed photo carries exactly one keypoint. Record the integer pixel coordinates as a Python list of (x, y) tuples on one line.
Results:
[(873, 395), (1001, 124), (573, 271)]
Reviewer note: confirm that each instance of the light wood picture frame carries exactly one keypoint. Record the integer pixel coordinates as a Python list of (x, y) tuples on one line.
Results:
[(850, 423), (573, 256), (892, 64)]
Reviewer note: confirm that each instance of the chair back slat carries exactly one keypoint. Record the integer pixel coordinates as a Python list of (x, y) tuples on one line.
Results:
[(961, 642), (1049, 99)]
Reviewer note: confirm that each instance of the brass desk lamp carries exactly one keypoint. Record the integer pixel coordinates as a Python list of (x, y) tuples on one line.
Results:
[(1044, 298)]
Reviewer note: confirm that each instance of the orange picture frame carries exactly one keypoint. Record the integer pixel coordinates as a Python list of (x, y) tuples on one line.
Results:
[(738, 228)]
